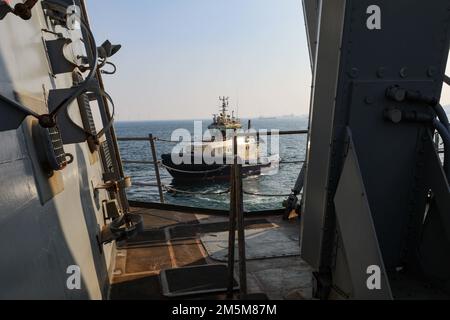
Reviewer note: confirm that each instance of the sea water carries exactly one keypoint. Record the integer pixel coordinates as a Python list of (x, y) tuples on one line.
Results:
[(278, 182)]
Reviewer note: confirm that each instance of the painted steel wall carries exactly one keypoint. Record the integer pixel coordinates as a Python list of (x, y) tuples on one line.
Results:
[(38, 242)]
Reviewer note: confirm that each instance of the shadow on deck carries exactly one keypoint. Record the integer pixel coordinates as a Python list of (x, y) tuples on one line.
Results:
[(175, 240)]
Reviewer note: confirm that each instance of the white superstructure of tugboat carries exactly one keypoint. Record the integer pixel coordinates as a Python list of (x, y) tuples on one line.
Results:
[(211, 159)]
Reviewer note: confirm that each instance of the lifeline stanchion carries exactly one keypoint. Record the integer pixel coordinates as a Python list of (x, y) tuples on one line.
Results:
[(239, 204), (231, 235), (164, 188), (155, 161)]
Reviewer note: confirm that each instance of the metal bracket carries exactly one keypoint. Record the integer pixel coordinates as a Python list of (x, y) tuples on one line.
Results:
[(70, 132), (55, 51), (11, 117), (357, 229), (115, 185), (435, 238), (447, 79), (123, 228), (22, 10)]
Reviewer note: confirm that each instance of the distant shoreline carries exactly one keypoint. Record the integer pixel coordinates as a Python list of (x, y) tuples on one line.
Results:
[(208, 119)]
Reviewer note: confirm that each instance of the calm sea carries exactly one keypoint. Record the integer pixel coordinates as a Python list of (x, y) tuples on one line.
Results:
[(292, 148)]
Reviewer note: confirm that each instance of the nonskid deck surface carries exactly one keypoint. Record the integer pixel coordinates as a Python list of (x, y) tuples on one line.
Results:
[(174, 240)]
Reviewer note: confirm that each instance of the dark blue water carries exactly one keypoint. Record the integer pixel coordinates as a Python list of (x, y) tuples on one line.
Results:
[(292, 148)]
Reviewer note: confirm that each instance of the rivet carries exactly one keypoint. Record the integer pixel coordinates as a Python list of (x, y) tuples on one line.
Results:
[(431, 71), (404, 72), (354, 72), (381, 72), (369, 100)]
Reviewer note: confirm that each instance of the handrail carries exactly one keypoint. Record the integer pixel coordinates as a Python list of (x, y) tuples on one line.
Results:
[(268, 133), (138, 162), (274, 133), (133, 139), (151, 139)]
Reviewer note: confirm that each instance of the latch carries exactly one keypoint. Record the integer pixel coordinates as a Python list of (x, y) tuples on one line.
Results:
[(50, 149), (115, 185), (122, 228)]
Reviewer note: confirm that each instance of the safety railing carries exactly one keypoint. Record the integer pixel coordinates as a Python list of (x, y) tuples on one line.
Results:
[(236, 205), (166, 189), (157, 165)]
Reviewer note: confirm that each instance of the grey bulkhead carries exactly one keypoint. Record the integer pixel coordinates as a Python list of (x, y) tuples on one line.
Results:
[(369, 180), (46, 226)]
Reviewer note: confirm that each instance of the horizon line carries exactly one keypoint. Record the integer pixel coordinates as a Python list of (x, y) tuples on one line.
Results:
[(199, 119)]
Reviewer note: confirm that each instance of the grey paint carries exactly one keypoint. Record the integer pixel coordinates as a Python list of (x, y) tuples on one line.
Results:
[(409, 50), (311, 9), (39, 241), (356, 228), (322, 112), (260, 244), (435, 236)]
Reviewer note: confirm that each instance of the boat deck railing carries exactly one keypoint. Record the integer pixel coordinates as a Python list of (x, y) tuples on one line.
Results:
[(236, 222), (157, 165)]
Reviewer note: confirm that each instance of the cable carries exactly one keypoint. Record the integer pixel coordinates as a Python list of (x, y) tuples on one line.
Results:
[(196, 172), (49, 120), (446, 79), (82, 87), (173, 190), (17, 105), (442, 115), (109, 72), (445, 135), (105, 128), (265, 195)]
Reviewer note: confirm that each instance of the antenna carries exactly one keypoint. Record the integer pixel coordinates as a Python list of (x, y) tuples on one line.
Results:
[(237, 103)]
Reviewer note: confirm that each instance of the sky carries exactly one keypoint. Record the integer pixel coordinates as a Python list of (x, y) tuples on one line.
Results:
[(179, 56)]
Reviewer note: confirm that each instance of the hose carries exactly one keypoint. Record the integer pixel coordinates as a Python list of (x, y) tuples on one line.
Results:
[(107, 126), (84, 86), (49, 120), (445, 135), (442, 115), (109, 72), (447, 79)]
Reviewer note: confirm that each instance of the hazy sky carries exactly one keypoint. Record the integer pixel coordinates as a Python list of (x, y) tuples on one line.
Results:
[(179, 56)]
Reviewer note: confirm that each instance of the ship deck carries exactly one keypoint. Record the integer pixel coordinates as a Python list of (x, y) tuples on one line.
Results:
[(173, 240)]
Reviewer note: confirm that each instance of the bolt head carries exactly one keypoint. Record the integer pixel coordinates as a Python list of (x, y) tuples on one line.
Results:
[(370, 100), (381, 72), (431, 72), (394, 115), (354, 72), (404, 72)]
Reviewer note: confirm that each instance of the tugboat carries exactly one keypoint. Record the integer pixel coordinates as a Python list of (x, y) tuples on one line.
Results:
[(195, 165)]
